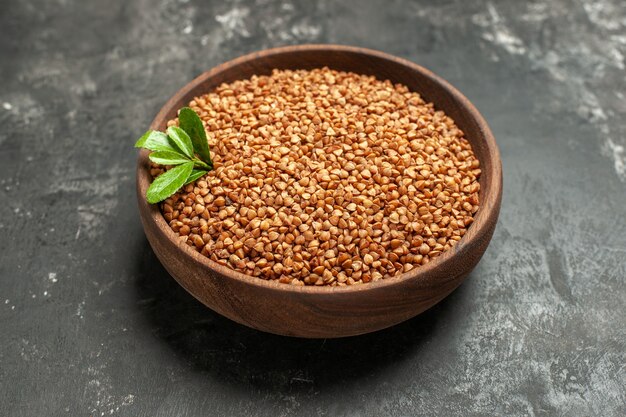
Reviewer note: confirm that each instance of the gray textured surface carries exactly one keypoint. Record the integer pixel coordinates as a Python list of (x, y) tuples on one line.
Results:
[(92, 325)]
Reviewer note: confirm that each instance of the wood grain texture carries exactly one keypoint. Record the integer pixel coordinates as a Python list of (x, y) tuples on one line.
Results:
[(327, 312)]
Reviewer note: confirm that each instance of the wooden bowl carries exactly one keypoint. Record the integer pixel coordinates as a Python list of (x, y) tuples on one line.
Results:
[(327, 312)]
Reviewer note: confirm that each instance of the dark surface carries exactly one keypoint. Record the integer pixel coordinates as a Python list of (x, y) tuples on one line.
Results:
[(92, 324)]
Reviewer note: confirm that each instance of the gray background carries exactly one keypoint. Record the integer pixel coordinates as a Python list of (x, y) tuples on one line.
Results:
[(91, 324)]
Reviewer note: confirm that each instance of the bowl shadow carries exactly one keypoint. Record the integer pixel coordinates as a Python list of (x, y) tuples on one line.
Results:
[(239, 355)]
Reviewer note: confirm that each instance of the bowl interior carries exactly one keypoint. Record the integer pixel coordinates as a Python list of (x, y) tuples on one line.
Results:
[(431, 87)]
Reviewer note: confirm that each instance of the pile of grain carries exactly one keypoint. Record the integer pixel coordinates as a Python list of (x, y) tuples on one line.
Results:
[(326, 178)]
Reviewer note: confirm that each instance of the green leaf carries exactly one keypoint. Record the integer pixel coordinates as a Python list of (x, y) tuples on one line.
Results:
[(168, 183), (195, 174), (168, 158), (190, 122), (142, 140), (181, 140), (155, 141)]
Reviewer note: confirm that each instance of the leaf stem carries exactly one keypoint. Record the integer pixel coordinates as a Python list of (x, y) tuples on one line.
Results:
[(201, 164)]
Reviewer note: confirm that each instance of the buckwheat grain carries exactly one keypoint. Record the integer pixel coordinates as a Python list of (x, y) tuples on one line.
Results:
[(326, 178)]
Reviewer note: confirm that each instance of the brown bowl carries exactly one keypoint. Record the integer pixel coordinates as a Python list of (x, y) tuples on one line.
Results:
[(325, 312)]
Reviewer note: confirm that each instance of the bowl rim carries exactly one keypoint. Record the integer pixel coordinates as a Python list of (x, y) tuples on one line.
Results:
[(480, 227)]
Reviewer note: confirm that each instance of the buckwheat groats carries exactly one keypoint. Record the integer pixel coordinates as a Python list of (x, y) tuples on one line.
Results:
[(326, 178)]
